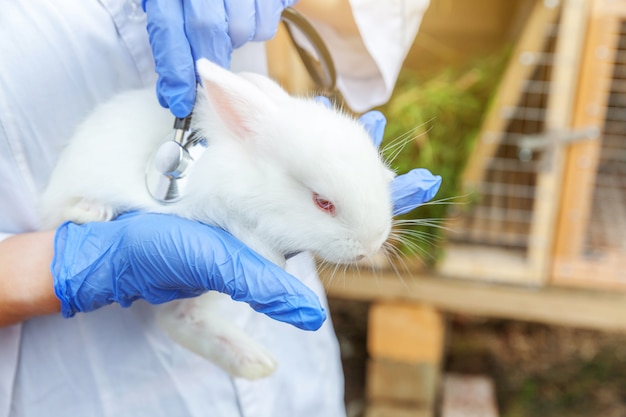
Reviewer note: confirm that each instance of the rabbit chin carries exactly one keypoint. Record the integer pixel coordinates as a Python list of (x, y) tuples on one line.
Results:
[(342, 259)]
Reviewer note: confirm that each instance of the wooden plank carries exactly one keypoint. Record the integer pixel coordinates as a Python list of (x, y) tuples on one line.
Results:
[(509, 91), (405, 342), (410, 384), (582, 157), (405, 332), (468, 396), (615, 8), (560, 306), (559, 109), (395, 410), (485, 263), (605, 271)]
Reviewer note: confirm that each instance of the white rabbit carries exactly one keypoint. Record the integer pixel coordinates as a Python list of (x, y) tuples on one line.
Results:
[(282, 174)]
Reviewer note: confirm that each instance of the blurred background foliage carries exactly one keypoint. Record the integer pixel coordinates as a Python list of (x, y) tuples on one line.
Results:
[(437, 119)]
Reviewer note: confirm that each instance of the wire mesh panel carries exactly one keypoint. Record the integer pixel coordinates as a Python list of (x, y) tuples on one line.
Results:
[(591, 239), (505, 233), (502, 214), (607, 228)]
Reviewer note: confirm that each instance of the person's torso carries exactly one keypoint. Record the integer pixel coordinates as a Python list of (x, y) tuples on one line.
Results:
[(59, 60)]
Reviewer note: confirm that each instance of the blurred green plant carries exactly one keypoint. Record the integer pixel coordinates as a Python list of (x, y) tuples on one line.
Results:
[(433, 122)]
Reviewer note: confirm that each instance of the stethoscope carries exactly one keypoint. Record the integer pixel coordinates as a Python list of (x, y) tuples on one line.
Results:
[(169, 166)]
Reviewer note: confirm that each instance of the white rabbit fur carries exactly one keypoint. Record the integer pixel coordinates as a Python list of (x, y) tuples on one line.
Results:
[(267, 154)]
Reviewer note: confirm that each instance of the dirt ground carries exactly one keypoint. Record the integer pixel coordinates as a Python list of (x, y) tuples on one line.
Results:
[(538, 370)]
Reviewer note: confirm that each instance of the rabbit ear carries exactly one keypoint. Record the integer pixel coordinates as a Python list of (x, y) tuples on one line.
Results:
[(270, 87), (239, 104)]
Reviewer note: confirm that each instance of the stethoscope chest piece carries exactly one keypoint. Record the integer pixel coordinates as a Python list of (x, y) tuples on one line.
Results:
[(169, 166)]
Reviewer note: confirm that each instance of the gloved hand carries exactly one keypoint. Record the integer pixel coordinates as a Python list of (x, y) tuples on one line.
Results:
[(410, 190), (182, 31), (159, 258)]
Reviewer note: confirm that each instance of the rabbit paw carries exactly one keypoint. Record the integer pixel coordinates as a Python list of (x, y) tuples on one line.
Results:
[(243, 357), (216, 339), (86, 210)]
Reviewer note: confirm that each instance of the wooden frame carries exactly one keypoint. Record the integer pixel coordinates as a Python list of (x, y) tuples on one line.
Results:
[(529, 267), (551, 305), (570, 266)]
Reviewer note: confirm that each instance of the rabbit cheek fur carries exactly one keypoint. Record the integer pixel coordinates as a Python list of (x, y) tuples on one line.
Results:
[(282, 174)]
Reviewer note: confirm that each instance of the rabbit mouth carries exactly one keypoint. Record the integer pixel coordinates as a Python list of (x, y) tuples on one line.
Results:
[(349, 261), (290, 255)]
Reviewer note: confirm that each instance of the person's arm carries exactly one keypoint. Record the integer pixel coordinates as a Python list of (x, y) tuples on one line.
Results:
[(153, 257), (26, 286)]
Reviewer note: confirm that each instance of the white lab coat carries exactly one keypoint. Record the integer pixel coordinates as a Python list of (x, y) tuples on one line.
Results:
[(59, 59)]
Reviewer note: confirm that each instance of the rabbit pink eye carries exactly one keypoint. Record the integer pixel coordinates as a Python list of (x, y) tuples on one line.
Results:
[(324, 204)]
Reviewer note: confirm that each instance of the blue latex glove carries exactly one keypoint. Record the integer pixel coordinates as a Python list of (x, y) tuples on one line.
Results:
[(159, 258), (182, 31), (410, 190)]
